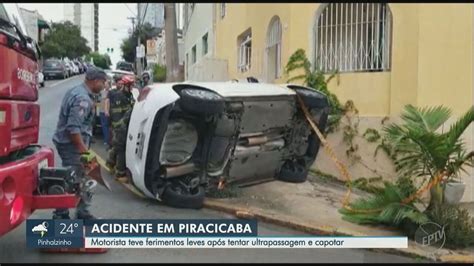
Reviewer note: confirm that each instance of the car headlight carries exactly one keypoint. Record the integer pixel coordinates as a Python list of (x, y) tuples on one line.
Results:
[(179, 142)]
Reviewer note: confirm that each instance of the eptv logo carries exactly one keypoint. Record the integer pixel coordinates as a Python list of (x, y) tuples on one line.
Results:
[(430, 234)]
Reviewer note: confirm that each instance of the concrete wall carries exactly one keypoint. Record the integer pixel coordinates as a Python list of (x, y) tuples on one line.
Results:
[(201, 21), (209, 69), (87, 23)]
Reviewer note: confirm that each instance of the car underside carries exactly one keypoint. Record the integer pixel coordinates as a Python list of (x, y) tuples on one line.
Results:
[(208, 137)]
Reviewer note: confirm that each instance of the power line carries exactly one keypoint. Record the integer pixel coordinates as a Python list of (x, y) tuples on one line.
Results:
[(144, 14), (130, 10)]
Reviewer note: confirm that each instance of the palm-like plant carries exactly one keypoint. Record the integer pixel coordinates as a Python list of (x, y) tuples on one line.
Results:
[(385, 207), (421, 151), (418, 150)]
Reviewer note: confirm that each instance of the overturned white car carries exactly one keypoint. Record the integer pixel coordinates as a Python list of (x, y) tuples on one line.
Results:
[(184, 138)]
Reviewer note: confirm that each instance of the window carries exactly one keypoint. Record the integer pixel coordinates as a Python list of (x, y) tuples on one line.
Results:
[(223, 10), (353, 37), (193, 54), (10, 13), (187, 65), (204, 44), (273, 49), (245, 51)]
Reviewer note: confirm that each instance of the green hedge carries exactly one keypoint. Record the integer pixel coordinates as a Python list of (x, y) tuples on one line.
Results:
[(159, 73)]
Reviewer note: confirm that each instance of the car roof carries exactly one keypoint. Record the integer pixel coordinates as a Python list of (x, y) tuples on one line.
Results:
[(231, 89)]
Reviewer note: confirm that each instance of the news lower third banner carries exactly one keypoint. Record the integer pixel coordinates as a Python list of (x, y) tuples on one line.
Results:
[(228, 233)]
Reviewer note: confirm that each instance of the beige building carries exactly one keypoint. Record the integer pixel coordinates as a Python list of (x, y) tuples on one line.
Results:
[(388, 55)]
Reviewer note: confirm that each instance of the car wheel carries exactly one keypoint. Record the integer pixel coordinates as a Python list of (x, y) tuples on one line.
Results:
[(177, 195), (312, 98), (200, 101), (293, 172)]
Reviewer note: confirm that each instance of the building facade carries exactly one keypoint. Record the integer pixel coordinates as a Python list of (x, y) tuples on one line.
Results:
[(387, 56), (86, 16), (199, 44), (152, 13), (159, 55)]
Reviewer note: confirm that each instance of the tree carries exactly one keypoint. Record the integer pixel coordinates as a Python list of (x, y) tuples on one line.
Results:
[(100, 60), (159, 73), (420, 151), (128, 45), (64, 40)]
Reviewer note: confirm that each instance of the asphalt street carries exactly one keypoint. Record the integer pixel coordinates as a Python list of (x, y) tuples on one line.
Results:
[(122, 204)]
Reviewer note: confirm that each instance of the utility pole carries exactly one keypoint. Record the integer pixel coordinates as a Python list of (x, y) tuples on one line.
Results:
[(133, 30), (140, 20), (133, 23), (171, 42)]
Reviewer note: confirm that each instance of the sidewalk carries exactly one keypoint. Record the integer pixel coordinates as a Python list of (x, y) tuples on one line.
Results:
[(312, 207)]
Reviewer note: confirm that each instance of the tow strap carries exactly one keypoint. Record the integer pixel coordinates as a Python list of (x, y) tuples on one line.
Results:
[(345, 173)]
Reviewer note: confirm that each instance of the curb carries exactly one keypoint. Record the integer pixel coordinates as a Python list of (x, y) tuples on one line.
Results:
[(412, 251), (278, 219)]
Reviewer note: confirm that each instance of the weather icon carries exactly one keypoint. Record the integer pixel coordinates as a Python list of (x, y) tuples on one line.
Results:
[(42, 229)]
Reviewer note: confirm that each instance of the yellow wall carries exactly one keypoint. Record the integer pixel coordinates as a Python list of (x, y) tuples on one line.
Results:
[(445, 56), (431, 53)]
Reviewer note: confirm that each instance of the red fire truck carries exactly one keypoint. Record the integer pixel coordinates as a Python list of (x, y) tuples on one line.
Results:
[(28, 180)]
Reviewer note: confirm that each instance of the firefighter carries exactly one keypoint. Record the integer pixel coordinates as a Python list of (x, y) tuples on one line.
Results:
[(74, 132), (145, 80), (121, 104)]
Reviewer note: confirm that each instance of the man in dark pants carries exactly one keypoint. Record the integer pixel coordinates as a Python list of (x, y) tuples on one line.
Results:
[(121, 104), (119, 146), (74, 132)]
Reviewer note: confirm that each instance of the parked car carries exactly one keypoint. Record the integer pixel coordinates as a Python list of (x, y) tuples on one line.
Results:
[(70, 70), (125, 66), (79, 66), (184, 137), (75, 69), (40, 79), (55, 68)]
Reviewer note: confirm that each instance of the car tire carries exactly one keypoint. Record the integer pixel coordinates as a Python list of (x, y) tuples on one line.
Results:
[(312, 98), (199, 101), (293, 172), (172, 197)]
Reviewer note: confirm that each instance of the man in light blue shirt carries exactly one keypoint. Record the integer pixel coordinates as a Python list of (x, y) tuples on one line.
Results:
[(74, 132)]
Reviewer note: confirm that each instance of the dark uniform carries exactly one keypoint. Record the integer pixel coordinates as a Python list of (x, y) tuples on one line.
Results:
[(76, 116), (121, 104)]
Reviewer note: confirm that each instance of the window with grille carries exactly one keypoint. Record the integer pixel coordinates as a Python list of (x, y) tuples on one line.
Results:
[(245, 51), (353, 37), (223, 10), (273, 49)]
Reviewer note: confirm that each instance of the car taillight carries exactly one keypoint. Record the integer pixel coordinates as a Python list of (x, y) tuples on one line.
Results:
[(143, 94)]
